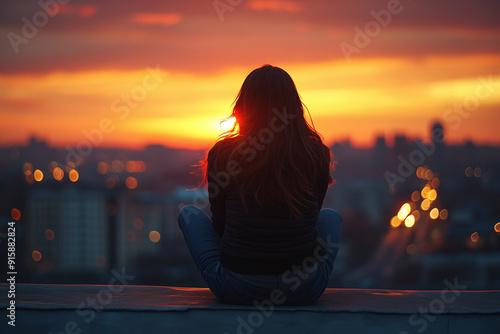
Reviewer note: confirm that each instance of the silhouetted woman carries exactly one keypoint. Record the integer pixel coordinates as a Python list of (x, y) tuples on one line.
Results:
[(267, 240)]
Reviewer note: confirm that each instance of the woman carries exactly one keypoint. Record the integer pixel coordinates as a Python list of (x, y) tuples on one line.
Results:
[(267, 240)]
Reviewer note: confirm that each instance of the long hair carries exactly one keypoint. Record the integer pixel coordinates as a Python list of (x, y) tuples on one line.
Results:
[(272, 153)]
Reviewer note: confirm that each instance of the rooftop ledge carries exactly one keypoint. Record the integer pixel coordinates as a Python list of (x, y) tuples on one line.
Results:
[(96, 309)]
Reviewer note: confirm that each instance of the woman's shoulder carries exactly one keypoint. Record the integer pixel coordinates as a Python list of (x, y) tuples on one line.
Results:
[(221, 150), (222, 145)]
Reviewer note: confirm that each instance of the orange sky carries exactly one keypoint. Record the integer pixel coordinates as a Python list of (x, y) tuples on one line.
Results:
[(180, 67)]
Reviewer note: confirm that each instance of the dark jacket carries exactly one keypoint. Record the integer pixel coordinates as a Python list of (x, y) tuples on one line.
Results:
[(262, 240)]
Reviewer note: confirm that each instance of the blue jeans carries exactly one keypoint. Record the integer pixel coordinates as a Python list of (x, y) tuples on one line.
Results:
[(298, 286)]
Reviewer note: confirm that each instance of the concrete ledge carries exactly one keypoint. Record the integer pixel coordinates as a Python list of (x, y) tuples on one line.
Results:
[(154, 309)]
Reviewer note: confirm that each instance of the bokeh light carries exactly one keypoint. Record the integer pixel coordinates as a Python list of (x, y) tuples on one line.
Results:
[(36, 256), (411, 249), (395, 222), (415, 196), (73, 175), (474, 237), (131, 182), (432, 195), (58, 173), (410, 221), (138, 224), (425, 205), (102, 167), (15, 213), (497, 227), (434, 214), (111, 182), (469, 171), (416, 214), (443, 214), (49, 234), (27, 168), (38, 175), (154, 236), (404, 211)]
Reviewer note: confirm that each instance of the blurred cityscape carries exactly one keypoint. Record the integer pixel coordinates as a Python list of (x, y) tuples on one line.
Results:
[(415, 212)]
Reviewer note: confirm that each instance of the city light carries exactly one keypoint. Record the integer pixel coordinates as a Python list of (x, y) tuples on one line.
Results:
[(434, 214), (425, 205), (415, 196), (27, 168), (136, 166), (425, 191), (154, 236), (73, 175), (111, 182), (410, 221), (404, 211), (416, 214), (58, 173), (36, 255), (395, 222), (15, 213), (432, 195), (138, 223), (131, 182), (435, 182), (474, 237), (497, 227), (411, 249), (102, 167), (443, 214), (117, 166), (38, 175), (49, 234), (30, 179)]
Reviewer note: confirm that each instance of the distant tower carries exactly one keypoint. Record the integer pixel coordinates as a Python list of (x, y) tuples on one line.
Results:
[(381, 155), (438, 138)]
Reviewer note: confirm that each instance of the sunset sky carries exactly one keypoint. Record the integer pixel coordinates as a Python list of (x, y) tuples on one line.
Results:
[(166, 72)]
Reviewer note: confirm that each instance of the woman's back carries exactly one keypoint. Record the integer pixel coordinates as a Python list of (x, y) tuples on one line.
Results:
[(265, 237), (267, 180)]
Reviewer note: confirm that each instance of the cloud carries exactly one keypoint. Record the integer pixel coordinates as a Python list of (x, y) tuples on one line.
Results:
[(78, 10), (275, 5), (166, 19), (188, 35)]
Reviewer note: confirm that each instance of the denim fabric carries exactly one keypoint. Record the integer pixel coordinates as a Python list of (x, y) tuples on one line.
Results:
[(299, 285)]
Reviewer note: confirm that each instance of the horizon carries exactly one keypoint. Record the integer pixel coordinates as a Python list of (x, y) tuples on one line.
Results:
[(388, 138)]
